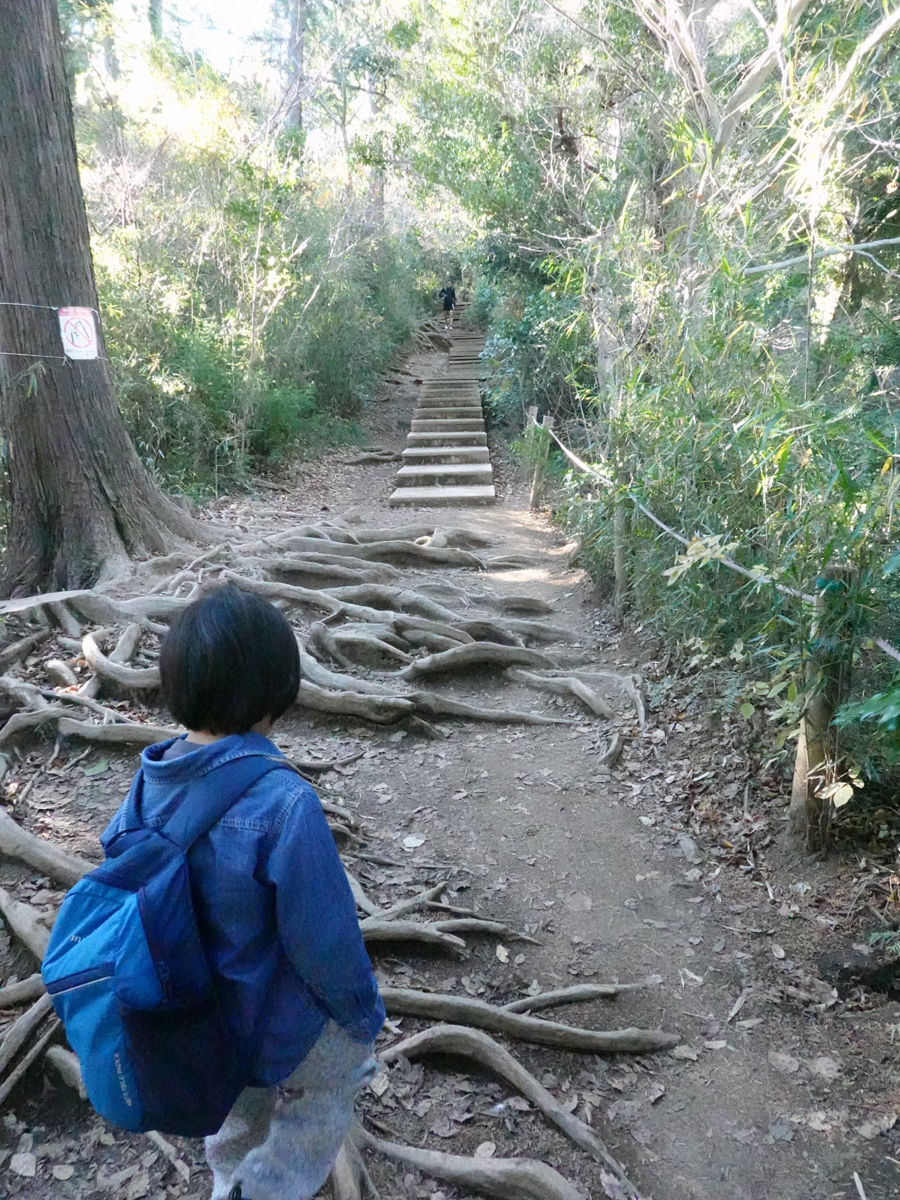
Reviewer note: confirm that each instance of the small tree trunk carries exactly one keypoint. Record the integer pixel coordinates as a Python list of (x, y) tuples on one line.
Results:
[(809, 816), (155, 19), (296, 49), (621, 539), (541, 436), (80, 499)]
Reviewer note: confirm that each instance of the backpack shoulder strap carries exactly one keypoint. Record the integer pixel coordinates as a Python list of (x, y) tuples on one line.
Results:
[(215, 793)]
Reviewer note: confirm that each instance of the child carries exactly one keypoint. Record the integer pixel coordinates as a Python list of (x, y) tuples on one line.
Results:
[(274, 909)]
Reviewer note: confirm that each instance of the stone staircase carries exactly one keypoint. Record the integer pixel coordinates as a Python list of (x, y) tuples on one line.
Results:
[(446, 460)]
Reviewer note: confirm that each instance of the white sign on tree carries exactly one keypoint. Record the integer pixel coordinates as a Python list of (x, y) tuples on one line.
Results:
[(79, 332)]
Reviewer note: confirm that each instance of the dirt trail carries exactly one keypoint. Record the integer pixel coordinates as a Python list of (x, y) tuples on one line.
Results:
[(778, 1089)]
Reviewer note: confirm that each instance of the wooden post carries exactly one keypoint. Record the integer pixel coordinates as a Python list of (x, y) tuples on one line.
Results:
[(542, 449), (827, 669), (621, 538)]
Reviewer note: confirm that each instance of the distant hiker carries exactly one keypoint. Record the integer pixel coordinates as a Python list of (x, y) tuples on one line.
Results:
[(448, 295), (268, 1060)]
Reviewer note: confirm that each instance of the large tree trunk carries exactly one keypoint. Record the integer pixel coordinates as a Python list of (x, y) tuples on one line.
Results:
[(80, 499)]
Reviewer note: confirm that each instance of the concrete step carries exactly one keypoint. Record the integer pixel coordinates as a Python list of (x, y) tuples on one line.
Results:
[(466, 425), (449, 413), (446, 439), (450, 400), (428, 474), (450, 389), (426, 497), (442, 453)]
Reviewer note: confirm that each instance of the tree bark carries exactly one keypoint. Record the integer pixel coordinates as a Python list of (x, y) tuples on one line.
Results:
[(155, 19), (80, 499), (295, 62)]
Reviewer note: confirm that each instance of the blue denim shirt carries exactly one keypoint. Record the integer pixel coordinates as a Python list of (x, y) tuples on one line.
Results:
[(273, 906)]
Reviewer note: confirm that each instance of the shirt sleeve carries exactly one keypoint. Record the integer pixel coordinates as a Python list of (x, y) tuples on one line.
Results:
[(317, 922)]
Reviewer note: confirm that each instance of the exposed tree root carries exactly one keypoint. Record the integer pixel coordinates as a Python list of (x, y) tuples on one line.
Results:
[(311, 597), (22, 992), (25, 924), (412, 903), (393, 600), (380, 710), (374, 929), (21, 1030), (127, 677), (613, 752), (68, 1068), (369, 651), (391, 551), (503, 1178), (483, 1050), (434, 705), (580, 994), (32, 1056), (359, 895), (475, 654), (477, 925), (45, 856), (123, 733), (405, 624), (464, 1010), (524, 604), (30, 720), (630, 684), (317, 574), (16, 651), (462, 539), (536, 631), (566, 685)]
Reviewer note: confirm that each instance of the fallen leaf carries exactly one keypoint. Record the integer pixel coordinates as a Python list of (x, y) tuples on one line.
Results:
[(442, 1128), (749, 1023), (502, 953), (612, 1187), (62, 1172), (656, 1092), (718, 1044), (784, 1062), (819, 1122), (780, 1132), (412, 841), (422, 1107), (777, 950), (684, 1051), (578, 902), (825, 1066), (871, 1129), (485, 1150), (98, 768), (689, 849), (138, 1188), (380, 1084), (519, 1103), (24, 1163)]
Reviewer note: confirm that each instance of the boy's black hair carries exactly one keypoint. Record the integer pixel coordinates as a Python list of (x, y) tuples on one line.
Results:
[(229, 660)]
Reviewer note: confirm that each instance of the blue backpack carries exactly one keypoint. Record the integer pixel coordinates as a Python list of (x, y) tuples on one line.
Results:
[(128, 976)]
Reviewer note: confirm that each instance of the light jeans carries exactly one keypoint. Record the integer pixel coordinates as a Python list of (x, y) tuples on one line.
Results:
[(280, 1143)]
